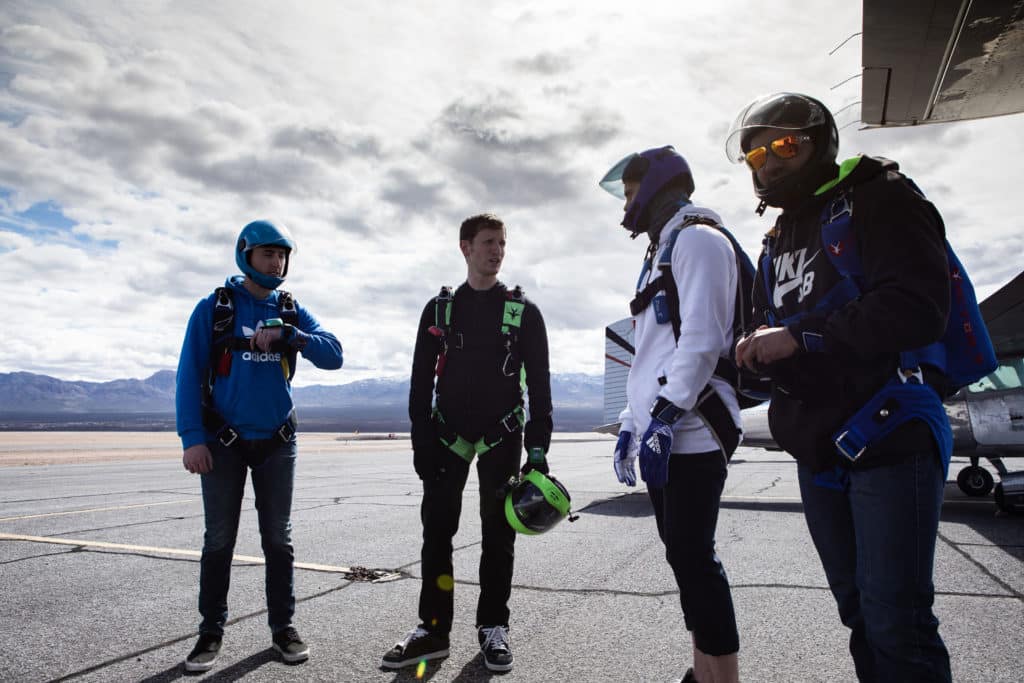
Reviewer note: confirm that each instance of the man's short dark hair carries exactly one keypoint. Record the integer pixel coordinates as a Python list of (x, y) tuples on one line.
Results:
[(474, 224)]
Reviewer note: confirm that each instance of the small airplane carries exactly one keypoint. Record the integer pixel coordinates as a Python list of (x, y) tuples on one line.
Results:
[(927, 62), (987, 417)]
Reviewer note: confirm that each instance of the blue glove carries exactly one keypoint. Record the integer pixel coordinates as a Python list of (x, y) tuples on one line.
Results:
[(536, 460), (656, 444), (655, 447), (625, 458)]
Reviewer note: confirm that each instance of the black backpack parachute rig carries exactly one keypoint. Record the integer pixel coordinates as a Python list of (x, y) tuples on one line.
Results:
[(224, 343), (752, 389), (963, 355), (512, 317)]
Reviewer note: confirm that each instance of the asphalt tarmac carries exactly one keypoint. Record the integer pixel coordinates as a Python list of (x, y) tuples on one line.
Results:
[(99, 574)]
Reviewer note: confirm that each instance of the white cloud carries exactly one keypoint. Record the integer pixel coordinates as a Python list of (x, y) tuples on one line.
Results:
[(160, 129)]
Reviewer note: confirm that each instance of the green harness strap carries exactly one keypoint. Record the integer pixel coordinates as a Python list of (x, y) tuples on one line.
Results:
[(466, 449), (511, 321), (513, 313)]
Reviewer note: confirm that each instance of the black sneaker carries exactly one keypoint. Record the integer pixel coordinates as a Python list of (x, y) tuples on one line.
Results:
[(497, 647), (419, 646), (291, 647), (204, 654)]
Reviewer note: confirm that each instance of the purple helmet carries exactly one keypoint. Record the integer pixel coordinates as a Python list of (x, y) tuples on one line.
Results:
[(656, 169)]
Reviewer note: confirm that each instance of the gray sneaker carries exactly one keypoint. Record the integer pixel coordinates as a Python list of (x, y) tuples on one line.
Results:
[(291, 647), (496, 644), (204, 654)]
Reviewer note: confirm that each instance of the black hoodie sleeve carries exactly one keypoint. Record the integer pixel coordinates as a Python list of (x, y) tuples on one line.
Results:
[(421, 384), (905, 304), (534, 345)]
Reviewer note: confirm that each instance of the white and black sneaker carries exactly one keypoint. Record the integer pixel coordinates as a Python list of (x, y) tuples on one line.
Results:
[(204, 654), (291, 647), (496, 645), (419, 646)]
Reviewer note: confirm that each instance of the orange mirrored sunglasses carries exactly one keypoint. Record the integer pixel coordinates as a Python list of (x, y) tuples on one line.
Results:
[(785, 147)]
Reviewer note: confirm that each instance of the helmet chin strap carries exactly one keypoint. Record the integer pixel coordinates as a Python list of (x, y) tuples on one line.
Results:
[(264, 280)]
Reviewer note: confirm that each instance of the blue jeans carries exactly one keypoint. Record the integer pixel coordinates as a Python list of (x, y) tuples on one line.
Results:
[(273, 476), (876, 541)]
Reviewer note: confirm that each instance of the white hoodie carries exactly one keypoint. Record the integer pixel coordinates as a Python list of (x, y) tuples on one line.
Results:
[(704, 268)]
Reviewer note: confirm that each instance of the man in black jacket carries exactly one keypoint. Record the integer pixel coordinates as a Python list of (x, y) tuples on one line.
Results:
[(831, 342), (482, 343)]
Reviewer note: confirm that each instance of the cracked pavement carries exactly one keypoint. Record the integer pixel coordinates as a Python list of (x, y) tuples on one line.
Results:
[(99, 572)]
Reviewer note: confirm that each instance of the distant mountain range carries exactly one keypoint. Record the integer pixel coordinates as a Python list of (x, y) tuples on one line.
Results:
[(28, 401)]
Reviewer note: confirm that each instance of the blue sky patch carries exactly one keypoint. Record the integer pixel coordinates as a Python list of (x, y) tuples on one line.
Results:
[(45, 221), (48, 215)]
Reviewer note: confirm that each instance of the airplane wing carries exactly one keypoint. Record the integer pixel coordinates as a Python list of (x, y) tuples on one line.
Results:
[(931, 61), (1003, 312)]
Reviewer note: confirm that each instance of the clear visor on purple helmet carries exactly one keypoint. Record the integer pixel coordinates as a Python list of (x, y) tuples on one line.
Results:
[(612, 180)]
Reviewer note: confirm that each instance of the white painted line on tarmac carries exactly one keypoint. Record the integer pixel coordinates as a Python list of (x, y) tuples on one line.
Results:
[(106, 509), (162, 551)]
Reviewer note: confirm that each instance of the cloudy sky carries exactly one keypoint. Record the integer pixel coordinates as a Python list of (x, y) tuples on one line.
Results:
[(138, 137)]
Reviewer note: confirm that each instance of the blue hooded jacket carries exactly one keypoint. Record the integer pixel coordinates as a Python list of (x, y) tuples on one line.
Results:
[(255, 397)]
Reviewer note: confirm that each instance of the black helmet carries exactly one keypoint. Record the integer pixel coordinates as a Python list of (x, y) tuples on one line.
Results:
[(787, 111), (536, 503)]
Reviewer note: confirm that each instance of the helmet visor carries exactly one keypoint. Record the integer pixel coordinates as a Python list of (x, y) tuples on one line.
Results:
[(533, 509), (612, 180), (783, 111)]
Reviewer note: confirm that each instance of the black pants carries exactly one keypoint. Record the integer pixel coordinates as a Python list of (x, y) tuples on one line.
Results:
[(687, 513), (442, 505)]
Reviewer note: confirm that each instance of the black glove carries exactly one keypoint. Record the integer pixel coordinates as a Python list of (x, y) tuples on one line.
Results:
[(536, 460), (425, 451)]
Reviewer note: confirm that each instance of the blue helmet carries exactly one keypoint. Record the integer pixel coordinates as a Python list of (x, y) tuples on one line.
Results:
[(261, 234), (656, 169)]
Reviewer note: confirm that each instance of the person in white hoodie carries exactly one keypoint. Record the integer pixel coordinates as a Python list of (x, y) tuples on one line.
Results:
[(681, 420)]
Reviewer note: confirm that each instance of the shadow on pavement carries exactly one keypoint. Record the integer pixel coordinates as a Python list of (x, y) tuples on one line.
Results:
[(235, 672), (472, 671), (635, 504)]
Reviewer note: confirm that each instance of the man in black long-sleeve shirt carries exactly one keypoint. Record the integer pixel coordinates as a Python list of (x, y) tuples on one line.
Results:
[(853, 281), (482, 343)]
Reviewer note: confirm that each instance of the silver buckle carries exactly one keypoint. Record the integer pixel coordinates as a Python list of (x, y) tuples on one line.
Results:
[(232, 438), (846, 453)]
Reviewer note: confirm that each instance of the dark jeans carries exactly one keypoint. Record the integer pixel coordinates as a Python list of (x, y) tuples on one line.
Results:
[(442, 505), (686, 511), (877, 546), (273, 475)]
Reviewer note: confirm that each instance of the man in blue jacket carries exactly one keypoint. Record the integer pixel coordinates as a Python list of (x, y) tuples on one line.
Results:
[(235, 414)]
